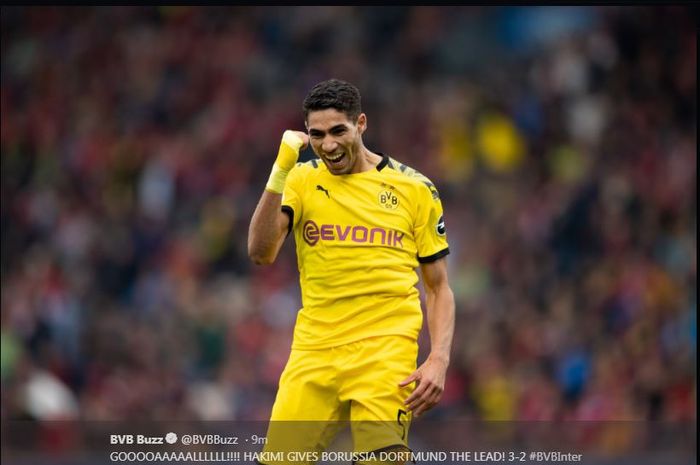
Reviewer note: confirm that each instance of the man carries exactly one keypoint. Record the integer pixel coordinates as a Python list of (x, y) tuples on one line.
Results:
[(362, 223)]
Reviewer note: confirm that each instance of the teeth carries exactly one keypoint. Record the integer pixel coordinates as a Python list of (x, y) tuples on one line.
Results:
[(337, 157)]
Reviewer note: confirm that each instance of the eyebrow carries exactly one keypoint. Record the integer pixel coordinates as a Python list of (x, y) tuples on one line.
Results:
[(318, 132)]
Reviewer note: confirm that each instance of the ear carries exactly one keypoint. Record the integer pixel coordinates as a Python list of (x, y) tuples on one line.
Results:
[(361, 123)]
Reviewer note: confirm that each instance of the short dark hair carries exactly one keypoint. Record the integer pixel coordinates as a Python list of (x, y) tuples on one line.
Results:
[(334, 93)]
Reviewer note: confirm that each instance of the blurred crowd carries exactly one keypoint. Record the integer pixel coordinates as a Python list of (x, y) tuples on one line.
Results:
[(136, 142)]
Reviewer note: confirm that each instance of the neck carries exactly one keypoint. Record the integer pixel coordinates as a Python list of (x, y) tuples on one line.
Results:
[(366, 161)]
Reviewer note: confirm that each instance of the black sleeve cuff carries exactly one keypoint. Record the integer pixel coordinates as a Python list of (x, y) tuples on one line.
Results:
[(434, 256), (290, 213)]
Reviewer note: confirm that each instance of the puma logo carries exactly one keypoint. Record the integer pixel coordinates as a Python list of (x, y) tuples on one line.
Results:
[(325, 191)]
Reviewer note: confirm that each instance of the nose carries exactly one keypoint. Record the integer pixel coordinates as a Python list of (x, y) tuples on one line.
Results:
[(329, 145)]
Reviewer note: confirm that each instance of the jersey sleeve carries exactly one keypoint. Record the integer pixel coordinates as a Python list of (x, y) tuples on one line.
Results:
[(430, 232), (292, 195)]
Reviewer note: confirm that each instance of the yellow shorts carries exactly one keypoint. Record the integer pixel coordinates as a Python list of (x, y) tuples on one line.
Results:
[(321, 390)]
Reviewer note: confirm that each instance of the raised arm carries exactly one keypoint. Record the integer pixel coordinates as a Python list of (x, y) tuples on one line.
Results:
[(269, 225), (430, 376), (268, 228)]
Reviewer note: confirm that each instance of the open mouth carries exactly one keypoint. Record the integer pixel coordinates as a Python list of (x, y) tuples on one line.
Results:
[(336, 158)]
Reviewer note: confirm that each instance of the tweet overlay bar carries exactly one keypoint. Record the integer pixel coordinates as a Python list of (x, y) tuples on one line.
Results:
[(424, 442)]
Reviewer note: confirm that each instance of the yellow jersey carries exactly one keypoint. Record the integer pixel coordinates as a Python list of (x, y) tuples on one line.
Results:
[(359, 238)]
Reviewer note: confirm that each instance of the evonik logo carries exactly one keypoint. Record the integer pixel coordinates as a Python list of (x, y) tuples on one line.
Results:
[(313, 233)]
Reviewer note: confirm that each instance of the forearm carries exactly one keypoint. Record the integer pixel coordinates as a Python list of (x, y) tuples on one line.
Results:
[(267, 231), (430, 376), (441, 321), (268, 226)]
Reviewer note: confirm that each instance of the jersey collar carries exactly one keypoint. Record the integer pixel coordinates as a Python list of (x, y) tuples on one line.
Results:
[(385, 161)]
